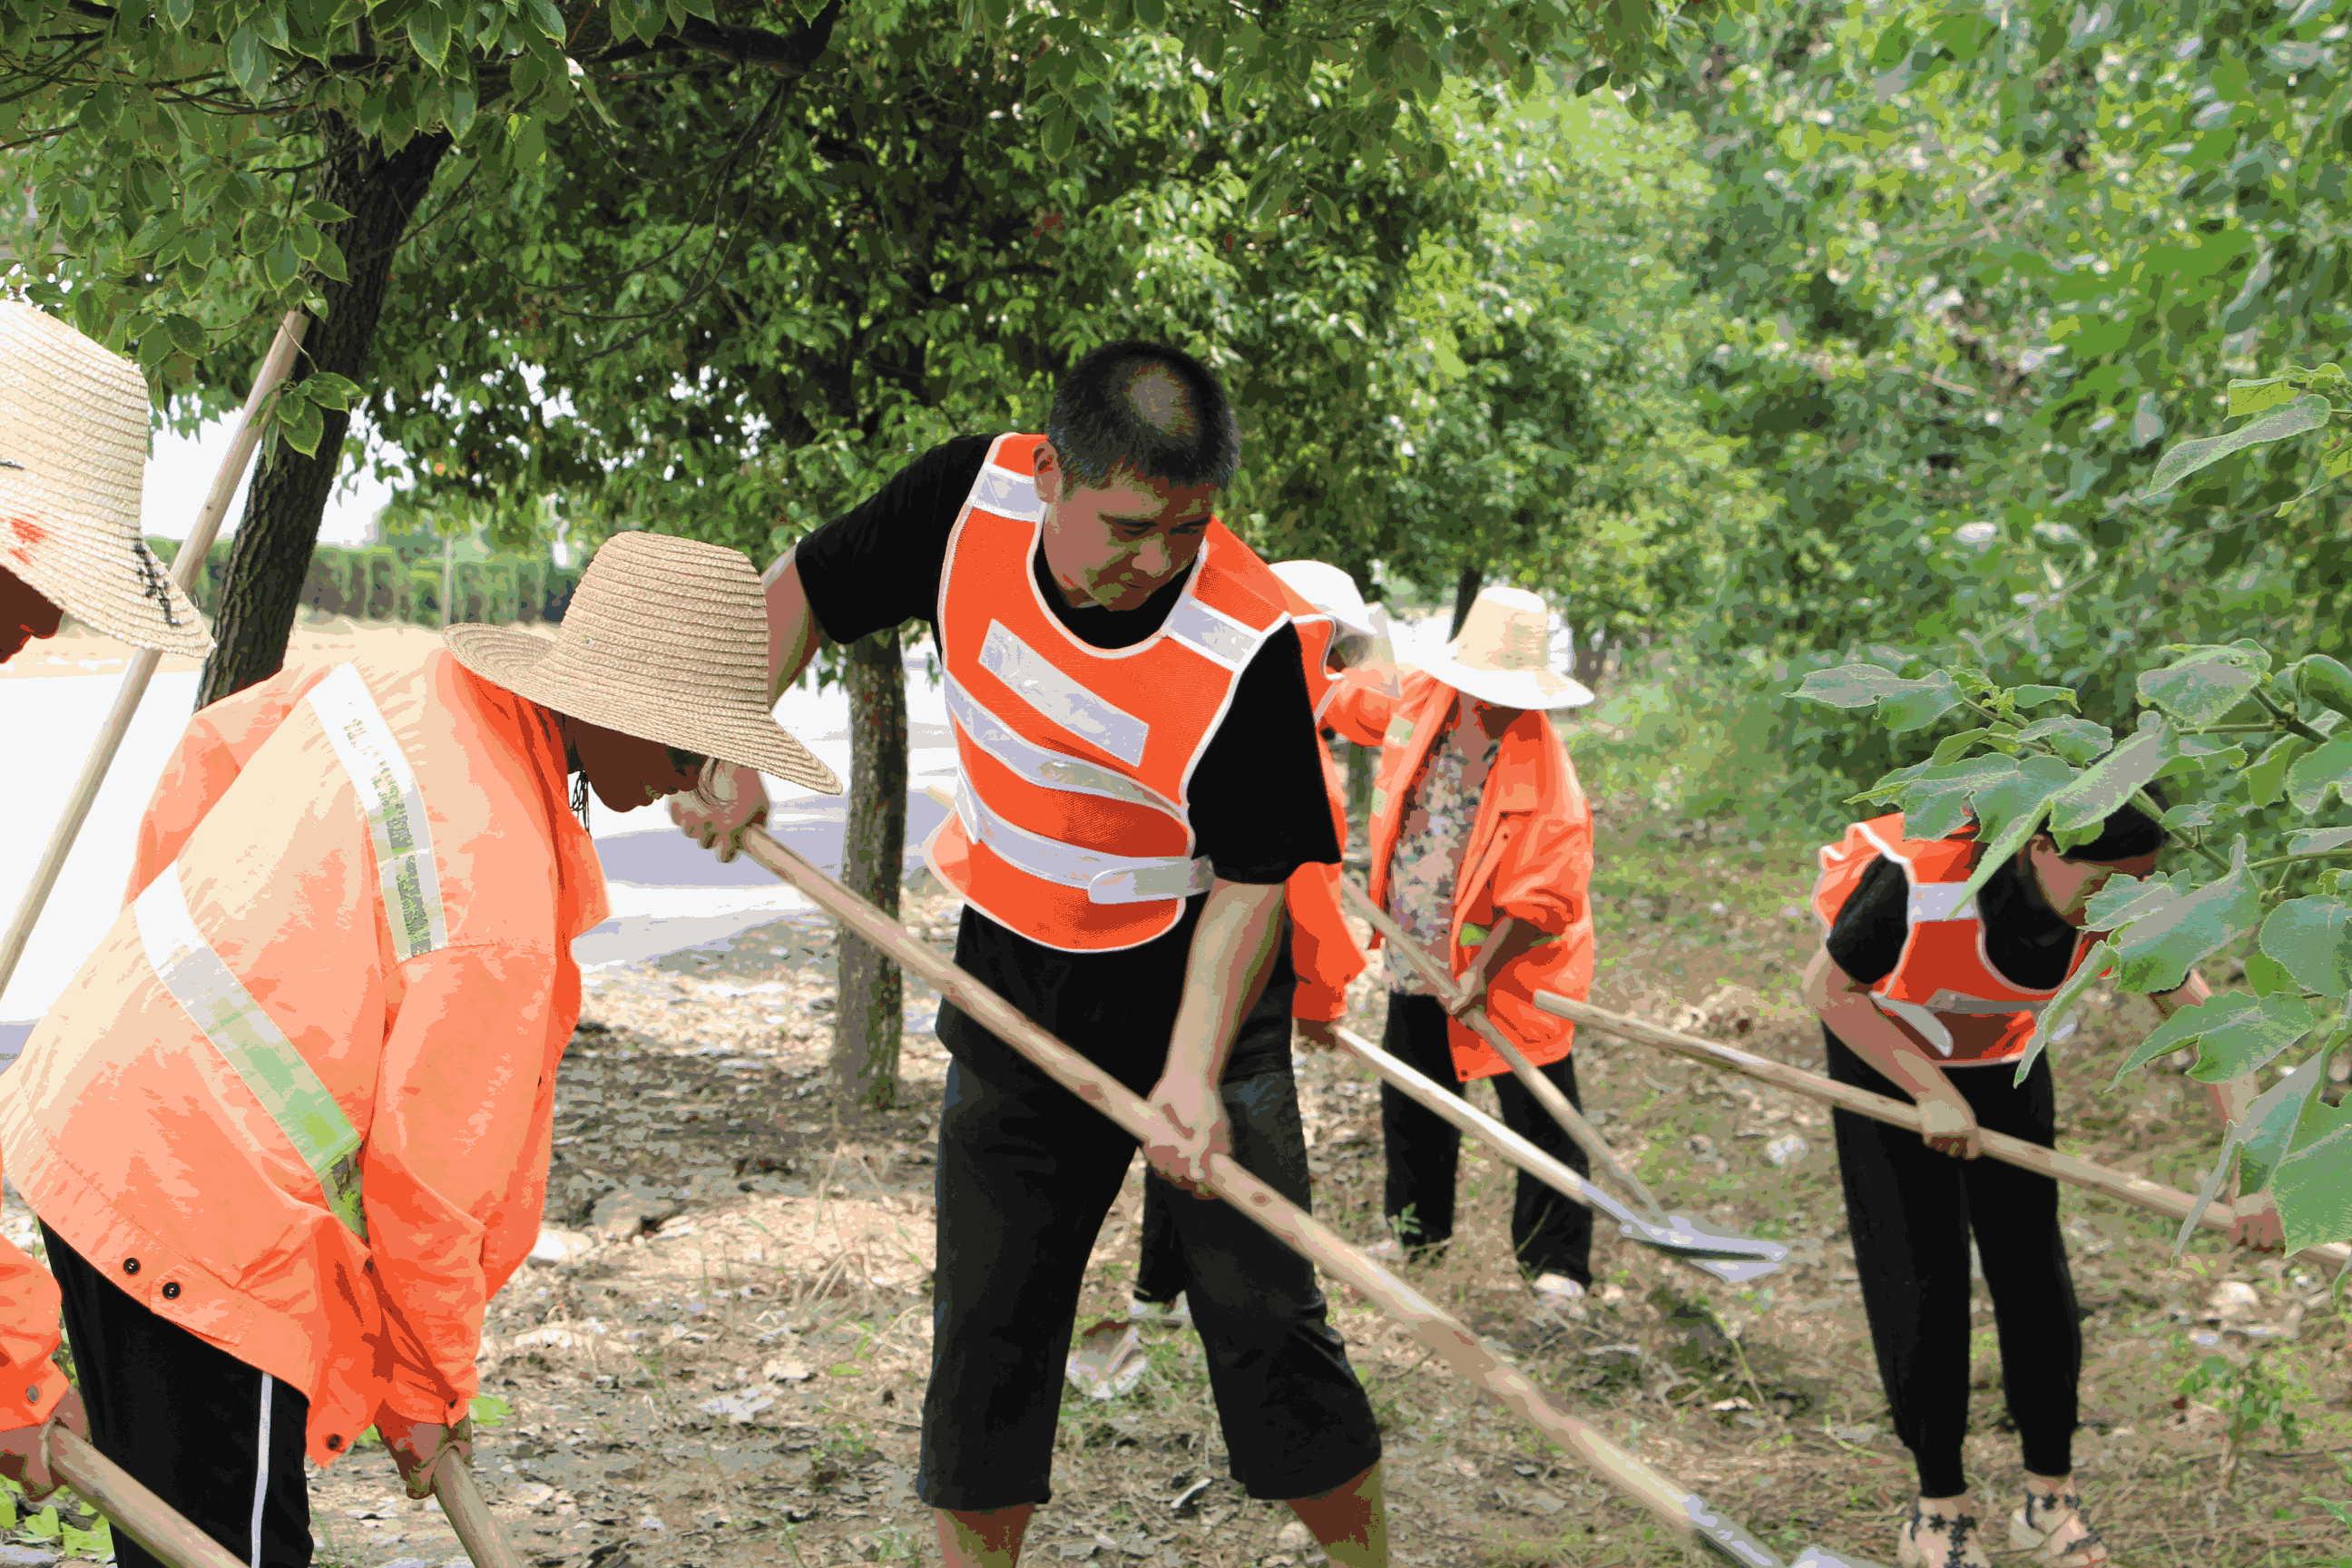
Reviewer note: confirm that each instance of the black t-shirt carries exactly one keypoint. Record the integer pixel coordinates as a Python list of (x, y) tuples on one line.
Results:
[(2026, 940), (1255, 799)]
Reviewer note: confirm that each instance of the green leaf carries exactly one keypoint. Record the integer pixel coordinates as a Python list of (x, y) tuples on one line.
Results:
[(2317, 840), (2156, 950), (429, 34), (1935, 800), (2313, 1183), (177, 12), (2304, 414), (2011, 812), (300, 423), (2325, 681), (2255, 396), (489, 1410), (546, 17), (2256, 1141), (2126, 899), (2053, 1017), (248, 61), (2201, 688), (2266, 777), (2315, 774), (2040, 696), (2079, 740), (283, 263), (2235, 1030), (2312, 937), (464, 100), (2267, 976), (2099, 794), (1905, 704)]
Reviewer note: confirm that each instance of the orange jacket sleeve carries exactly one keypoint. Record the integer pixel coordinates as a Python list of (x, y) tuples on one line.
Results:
[(457, 1096), (30, 1382), (212, 752), (1546, 870), (1360, 703), (1322, 949)]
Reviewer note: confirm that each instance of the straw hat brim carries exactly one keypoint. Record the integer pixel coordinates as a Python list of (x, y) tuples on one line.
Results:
[(1535, 689), (94, 578), (741, 734)]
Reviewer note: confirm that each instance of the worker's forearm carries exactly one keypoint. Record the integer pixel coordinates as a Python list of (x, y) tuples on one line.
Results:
[(1231, 945), (1876, 1038), (793, 632)]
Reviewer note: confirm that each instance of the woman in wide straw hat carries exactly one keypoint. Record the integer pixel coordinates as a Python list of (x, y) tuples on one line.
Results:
[(1482, 850), (288, 1131), (73, 457)]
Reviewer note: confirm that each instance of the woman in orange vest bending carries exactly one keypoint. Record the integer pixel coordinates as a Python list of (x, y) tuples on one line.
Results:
[(73, 459), (1481, 848), (1923, 994), (287, 1132)]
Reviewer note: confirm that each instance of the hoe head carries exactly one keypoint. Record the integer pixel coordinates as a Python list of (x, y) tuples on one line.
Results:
[(1731, 1542)]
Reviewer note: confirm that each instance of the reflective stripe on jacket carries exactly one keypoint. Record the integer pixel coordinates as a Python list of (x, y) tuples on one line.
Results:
[(1323, 949), (1529, 856), (1943, 991), (299, 1100), (1069, 824)]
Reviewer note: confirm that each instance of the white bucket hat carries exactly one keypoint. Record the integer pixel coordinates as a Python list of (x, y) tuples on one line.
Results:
[(1503, 655), (73, 464), (666, 639), (1363, 630)]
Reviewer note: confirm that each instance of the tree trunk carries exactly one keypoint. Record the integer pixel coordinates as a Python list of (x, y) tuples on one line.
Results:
[(870, 1014), (1465, 593), (1362, 763), (271, 552), (1591, 655)]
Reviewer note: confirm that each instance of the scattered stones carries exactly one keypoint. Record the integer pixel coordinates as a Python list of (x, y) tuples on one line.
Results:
[(1787, 1150)]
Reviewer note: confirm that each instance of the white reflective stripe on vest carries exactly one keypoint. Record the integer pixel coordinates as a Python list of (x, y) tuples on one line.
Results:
[(1042, 765), (1007, 494), (1930, 1027), (363, 743), (1059, 697), (256, 1049), (1940, 901), (1212, 634), (1107, 879)]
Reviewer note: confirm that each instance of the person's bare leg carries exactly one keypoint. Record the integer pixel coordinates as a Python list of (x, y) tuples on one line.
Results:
[(991, 1539), (1351, 1521)]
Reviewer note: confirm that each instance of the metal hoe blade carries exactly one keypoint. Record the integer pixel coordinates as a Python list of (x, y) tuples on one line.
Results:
[(1732, 1543), (1687, 1237)]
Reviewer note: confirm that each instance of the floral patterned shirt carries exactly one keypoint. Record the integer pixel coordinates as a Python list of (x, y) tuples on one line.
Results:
[(1438, 815)]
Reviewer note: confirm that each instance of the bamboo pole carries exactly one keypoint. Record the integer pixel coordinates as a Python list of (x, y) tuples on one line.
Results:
[(469, 1515), (2138, 1191), (1447, 1339), (1546, 1093), (275, 368), (136, 1512)]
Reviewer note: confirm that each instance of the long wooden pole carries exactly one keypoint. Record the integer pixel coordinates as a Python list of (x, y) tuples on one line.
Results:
[(1546, 1093), (469, 1515), (1447, 1339), (2138, 1191), (139, 1513), (275, 368)]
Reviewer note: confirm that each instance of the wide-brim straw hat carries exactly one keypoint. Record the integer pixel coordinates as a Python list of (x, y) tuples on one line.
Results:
[(73, 466), (1503, 655), (666, 639), (1361, 630)]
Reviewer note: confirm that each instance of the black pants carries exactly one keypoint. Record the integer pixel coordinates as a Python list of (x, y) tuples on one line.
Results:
[(1912, 1211), (1550, 1234), (1025, 1176), (218, 1440)]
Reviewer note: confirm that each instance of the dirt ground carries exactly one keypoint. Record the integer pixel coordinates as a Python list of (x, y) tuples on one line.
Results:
[(719, 1357)]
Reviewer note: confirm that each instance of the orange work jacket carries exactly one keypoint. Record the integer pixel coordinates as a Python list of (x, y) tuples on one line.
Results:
[(299, 1102), (1529, 856), (1323, 949), (1072, 761), (1943, 991), (30, 1382)]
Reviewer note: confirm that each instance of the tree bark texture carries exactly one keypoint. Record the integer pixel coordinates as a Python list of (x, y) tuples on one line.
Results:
[(271, 552), (1466, 593), (870, 1014)]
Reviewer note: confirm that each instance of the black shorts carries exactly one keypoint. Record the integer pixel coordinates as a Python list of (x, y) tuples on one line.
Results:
[(1025, 1177)]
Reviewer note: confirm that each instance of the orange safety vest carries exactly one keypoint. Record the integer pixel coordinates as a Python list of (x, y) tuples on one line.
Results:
[(1943, 991), (1070, 824), (1323, 950), (299, 1102)]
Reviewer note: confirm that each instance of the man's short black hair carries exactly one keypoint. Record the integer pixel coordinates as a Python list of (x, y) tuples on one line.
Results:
[(2128, 834), (1151, 410)]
